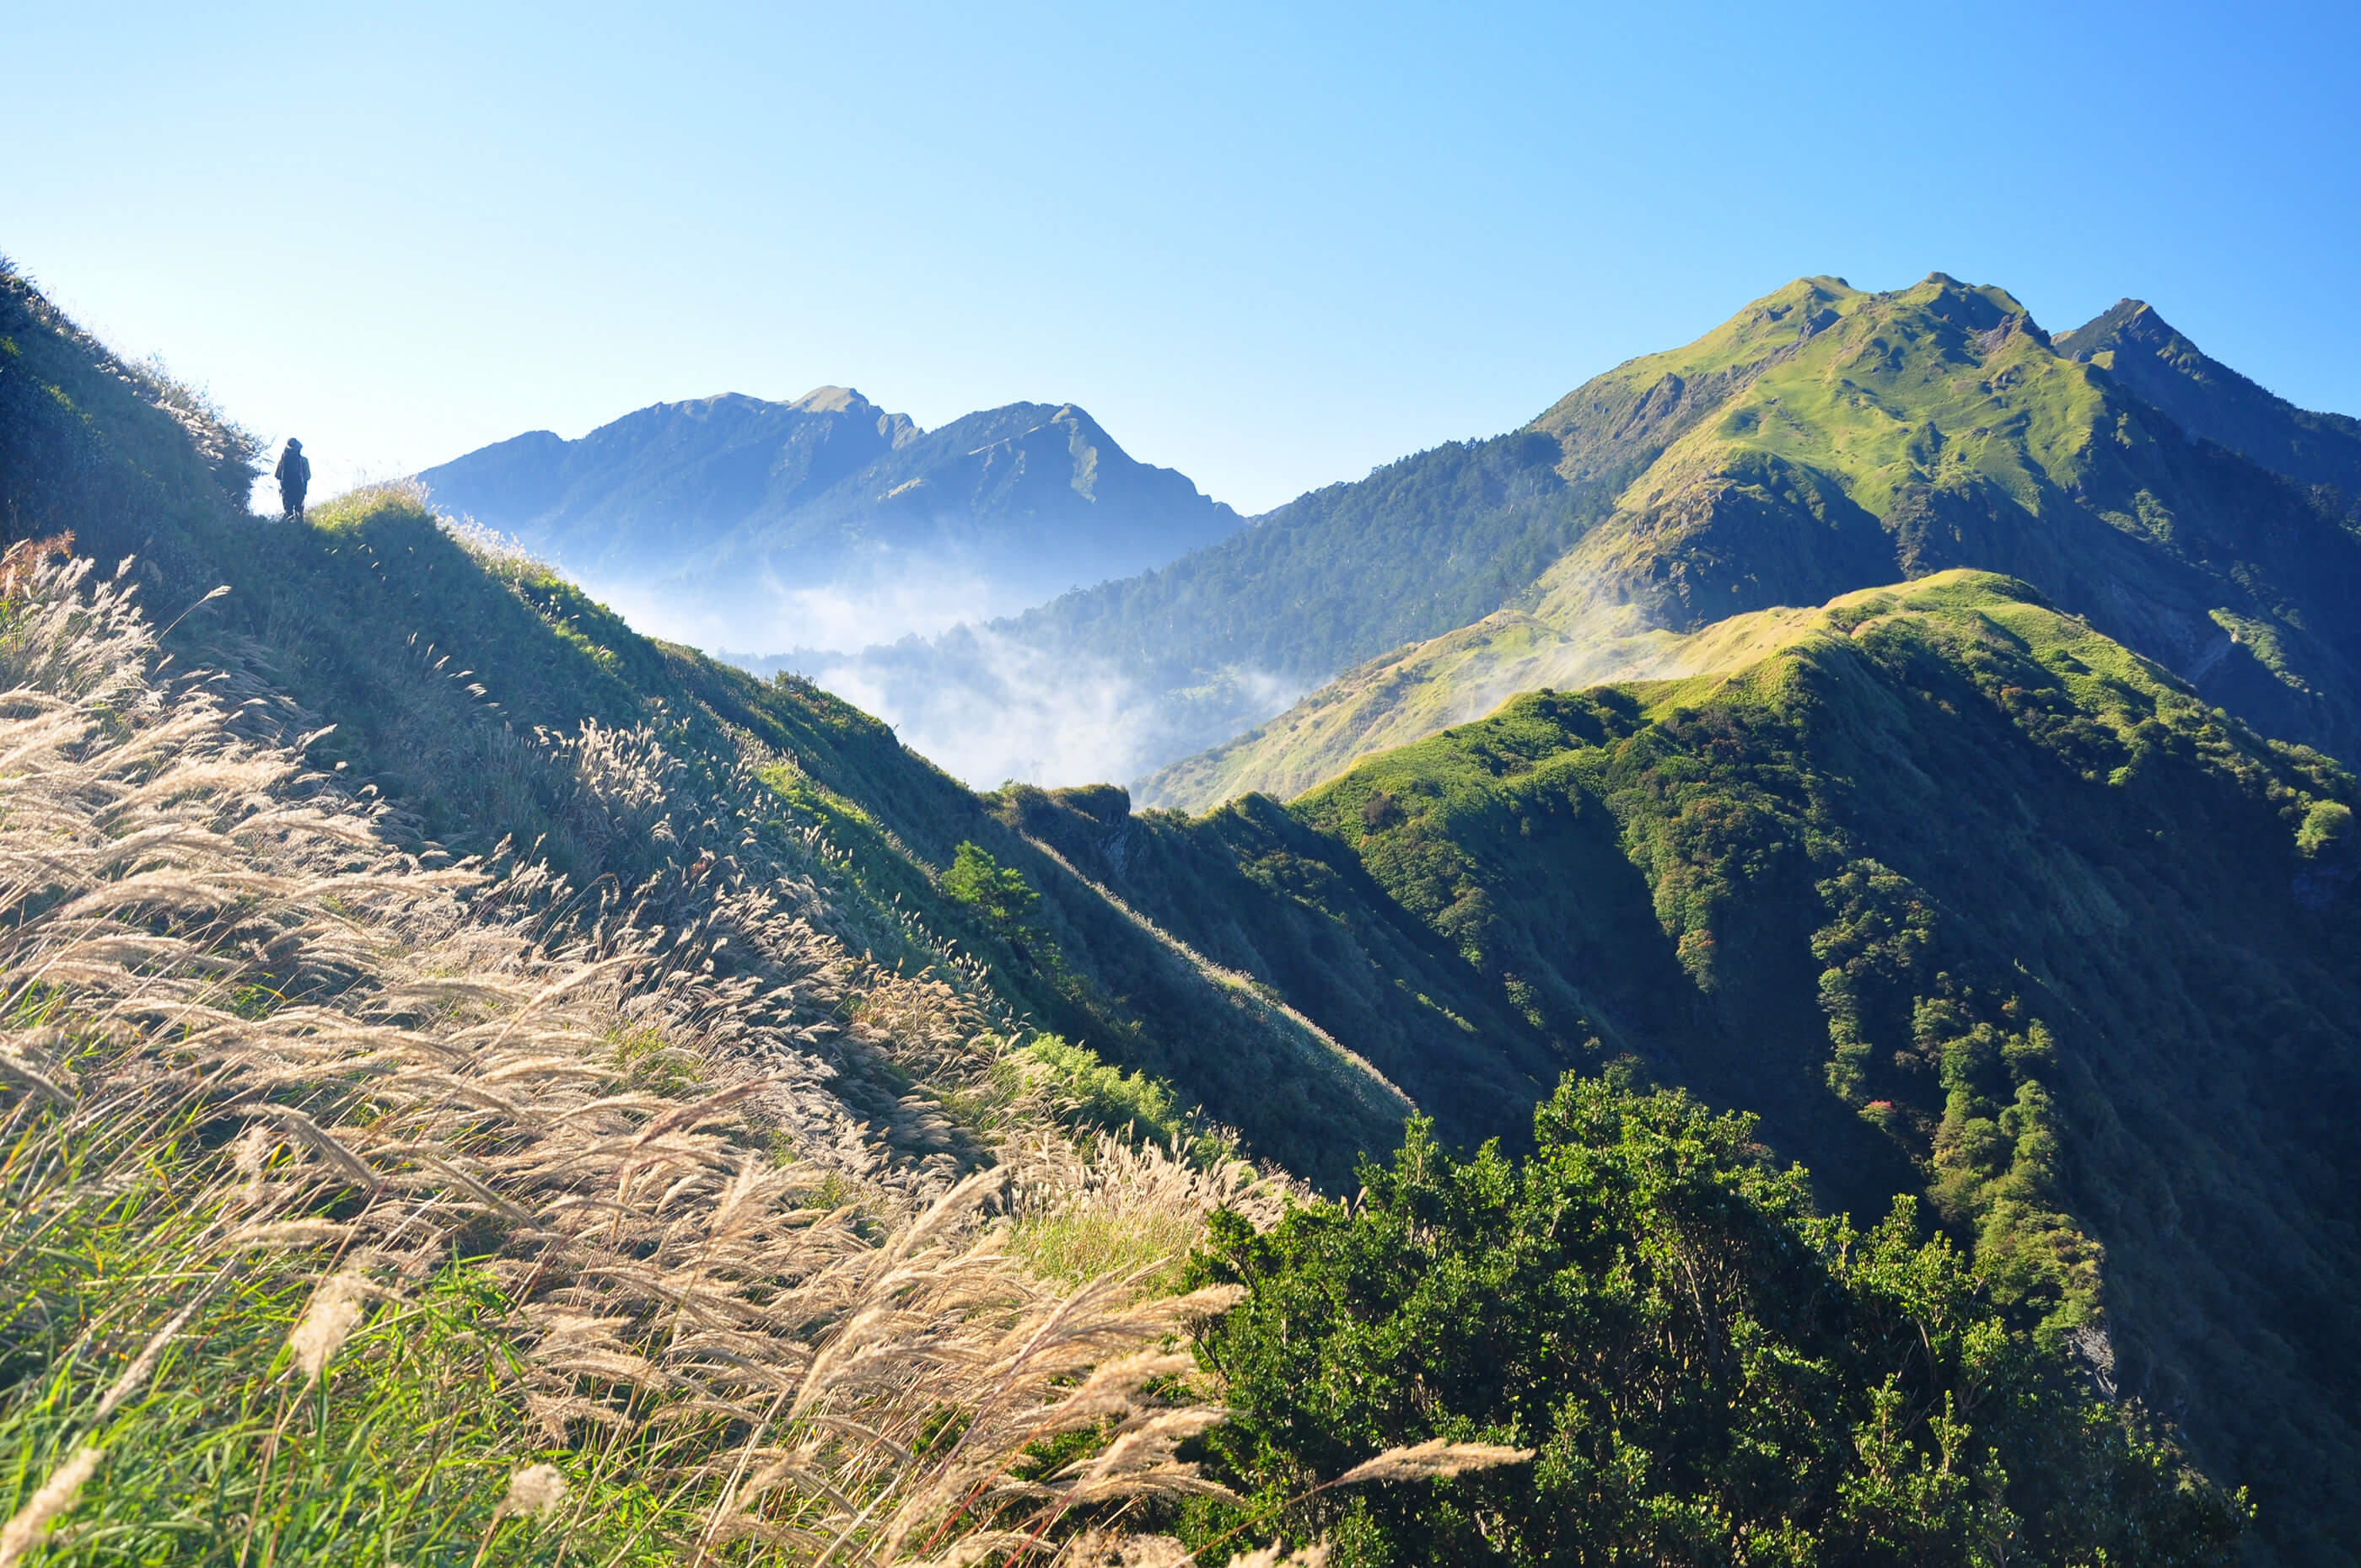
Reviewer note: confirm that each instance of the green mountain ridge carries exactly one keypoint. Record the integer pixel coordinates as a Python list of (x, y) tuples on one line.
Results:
[(1834, 440), (2144, 354)]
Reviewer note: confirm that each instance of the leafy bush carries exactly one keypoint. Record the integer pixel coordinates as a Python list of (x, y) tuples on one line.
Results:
[(2327, 825), (1710, 1371)]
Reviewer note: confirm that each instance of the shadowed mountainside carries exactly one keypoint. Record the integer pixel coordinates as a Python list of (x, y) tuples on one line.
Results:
[(2145, 356)]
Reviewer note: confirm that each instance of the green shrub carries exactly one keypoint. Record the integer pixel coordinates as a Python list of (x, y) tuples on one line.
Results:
[(1108, 1096), (2327, 825), (1710, 1371)]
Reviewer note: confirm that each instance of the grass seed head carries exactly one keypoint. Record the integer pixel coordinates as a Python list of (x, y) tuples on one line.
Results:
[(24, 1532), (328, 1319), (1434, 1459), (534, 1491)]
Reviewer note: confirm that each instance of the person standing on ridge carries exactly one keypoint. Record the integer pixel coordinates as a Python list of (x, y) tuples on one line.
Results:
[(294, 475)]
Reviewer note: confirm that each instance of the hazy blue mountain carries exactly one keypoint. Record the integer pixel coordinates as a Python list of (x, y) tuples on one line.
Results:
[(828, 520)]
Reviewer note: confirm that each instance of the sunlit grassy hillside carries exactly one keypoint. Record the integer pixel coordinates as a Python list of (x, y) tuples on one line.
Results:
[(471, 687), (361, 1206)]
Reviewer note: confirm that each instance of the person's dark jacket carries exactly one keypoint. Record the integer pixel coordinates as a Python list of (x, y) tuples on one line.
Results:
[(293, 474)]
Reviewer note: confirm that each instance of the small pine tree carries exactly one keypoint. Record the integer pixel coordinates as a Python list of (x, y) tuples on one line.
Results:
[(997, 895)]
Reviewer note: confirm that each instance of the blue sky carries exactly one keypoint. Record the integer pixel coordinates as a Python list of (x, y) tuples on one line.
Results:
[(1271, 246)]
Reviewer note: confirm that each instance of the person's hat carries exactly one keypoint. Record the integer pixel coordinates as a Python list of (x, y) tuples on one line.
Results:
[(292, 442)]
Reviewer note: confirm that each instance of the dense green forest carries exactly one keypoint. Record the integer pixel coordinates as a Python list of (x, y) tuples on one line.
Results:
[(1704, 1369), (1969, 903)]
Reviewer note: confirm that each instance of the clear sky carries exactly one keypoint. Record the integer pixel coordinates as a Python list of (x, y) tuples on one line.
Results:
[(1271, 246)]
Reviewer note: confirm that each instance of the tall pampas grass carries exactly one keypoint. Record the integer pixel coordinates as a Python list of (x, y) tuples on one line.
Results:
[(544, 1187), (26, 1527)]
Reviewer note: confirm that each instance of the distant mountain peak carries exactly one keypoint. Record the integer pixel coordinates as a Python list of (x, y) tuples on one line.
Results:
[(831, 401), (738, 511), (2128, 319), (2145, 354)]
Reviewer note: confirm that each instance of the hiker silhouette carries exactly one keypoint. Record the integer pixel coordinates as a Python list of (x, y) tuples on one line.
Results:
[(294, 475)]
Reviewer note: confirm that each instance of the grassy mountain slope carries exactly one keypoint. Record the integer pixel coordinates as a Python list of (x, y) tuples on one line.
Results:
[(554, 659), (1965, 898), (362, 1209), (1413, 692), (1431, 542), (736, 504), (459, 683), (362, 1206), (1857, 439)]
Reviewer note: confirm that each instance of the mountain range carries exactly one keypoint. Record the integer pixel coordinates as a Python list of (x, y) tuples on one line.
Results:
[(1879, 716), (1823, 439), (828, 520), (1826, 440)]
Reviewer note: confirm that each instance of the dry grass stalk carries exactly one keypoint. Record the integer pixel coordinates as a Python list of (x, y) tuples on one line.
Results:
[(333, 1312), (1432, 1460)]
